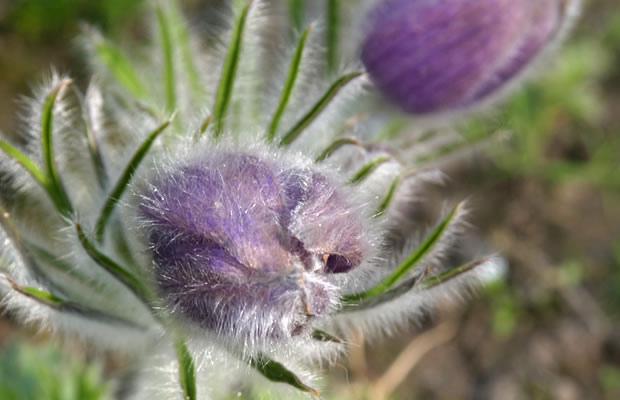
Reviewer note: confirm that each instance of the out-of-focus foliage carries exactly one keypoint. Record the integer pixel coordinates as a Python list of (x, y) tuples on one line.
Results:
[(42, 372), (36, 19)]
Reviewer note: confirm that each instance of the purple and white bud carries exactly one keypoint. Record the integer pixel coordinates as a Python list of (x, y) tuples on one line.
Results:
[(442, 55), (244, 246)]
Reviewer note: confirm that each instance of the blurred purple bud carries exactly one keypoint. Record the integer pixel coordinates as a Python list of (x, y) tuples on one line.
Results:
[(440, 55), (230, 248)]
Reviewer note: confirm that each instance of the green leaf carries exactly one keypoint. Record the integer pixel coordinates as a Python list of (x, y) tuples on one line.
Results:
[(187, 374), (29, 255), (276, 372), (203, 128), (407, 264), (323, 336), (181, 38), (367, 169), (318, 107), (385, 203), (55, 188), (59, 304), (288, 85), (451, 273), (37, 294), (120, 67), (336, 144), (393, 293), (122, 274), (12, 238), (333, 22), (91, 140), (389, 196), (166, 47), (229, 72), (296, 13), (123, 181), (58, 265), (25, 162)]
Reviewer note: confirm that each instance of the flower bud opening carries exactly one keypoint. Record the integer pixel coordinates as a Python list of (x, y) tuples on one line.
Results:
[(440, 55), (242, 245)]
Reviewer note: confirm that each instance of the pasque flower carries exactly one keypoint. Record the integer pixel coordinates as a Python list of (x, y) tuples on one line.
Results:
[(226, 212), (443, 55)]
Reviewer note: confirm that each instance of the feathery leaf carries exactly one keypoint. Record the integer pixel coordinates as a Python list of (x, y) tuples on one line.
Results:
[(367, 169), (229, 72), (122, 274), (166, 48), (408, 263), (187, 373), (120, 68), (318, 107), (276, 372), (125, 178), (288, 85), (335, 145), (56, 188)]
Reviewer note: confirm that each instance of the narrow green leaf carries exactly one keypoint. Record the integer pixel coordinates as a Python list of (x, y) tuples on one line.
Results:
[(59, 304), (56, 188), (166, 47), (24, 162), (367, 169), (296, 13), (229, 72), (451, 273), (91, 140), (180, 34), (120, 67), (187, 374), (333, 23), (30, 256), (389, 196), (408, 263), (385, 203), (124, 179), (37, 294), (203, 128), (58, 265), (23, 256), (121, 243), (402, 287), (336, 144), (288, 85), (276, 372), (122, 274), (318, 107), (323, 336)]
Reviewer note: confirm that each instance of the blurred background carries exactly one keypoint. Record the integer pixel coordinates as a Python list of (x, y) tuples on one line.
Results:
[(545, 194)]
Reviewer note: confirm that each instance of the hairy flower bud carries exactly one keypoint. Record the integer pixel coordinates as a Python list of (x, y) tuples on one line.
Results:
[(243, 245), (440, 55)]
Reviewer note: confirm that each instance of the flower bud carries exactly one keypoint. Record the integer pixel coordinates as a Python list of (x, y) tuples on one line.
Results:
[(245, 246), (442, 55)]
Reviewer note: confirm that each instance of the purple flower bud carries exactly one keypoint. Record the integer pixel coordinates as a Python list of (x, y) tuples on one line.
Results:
[(242, 245), (438, 55)]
